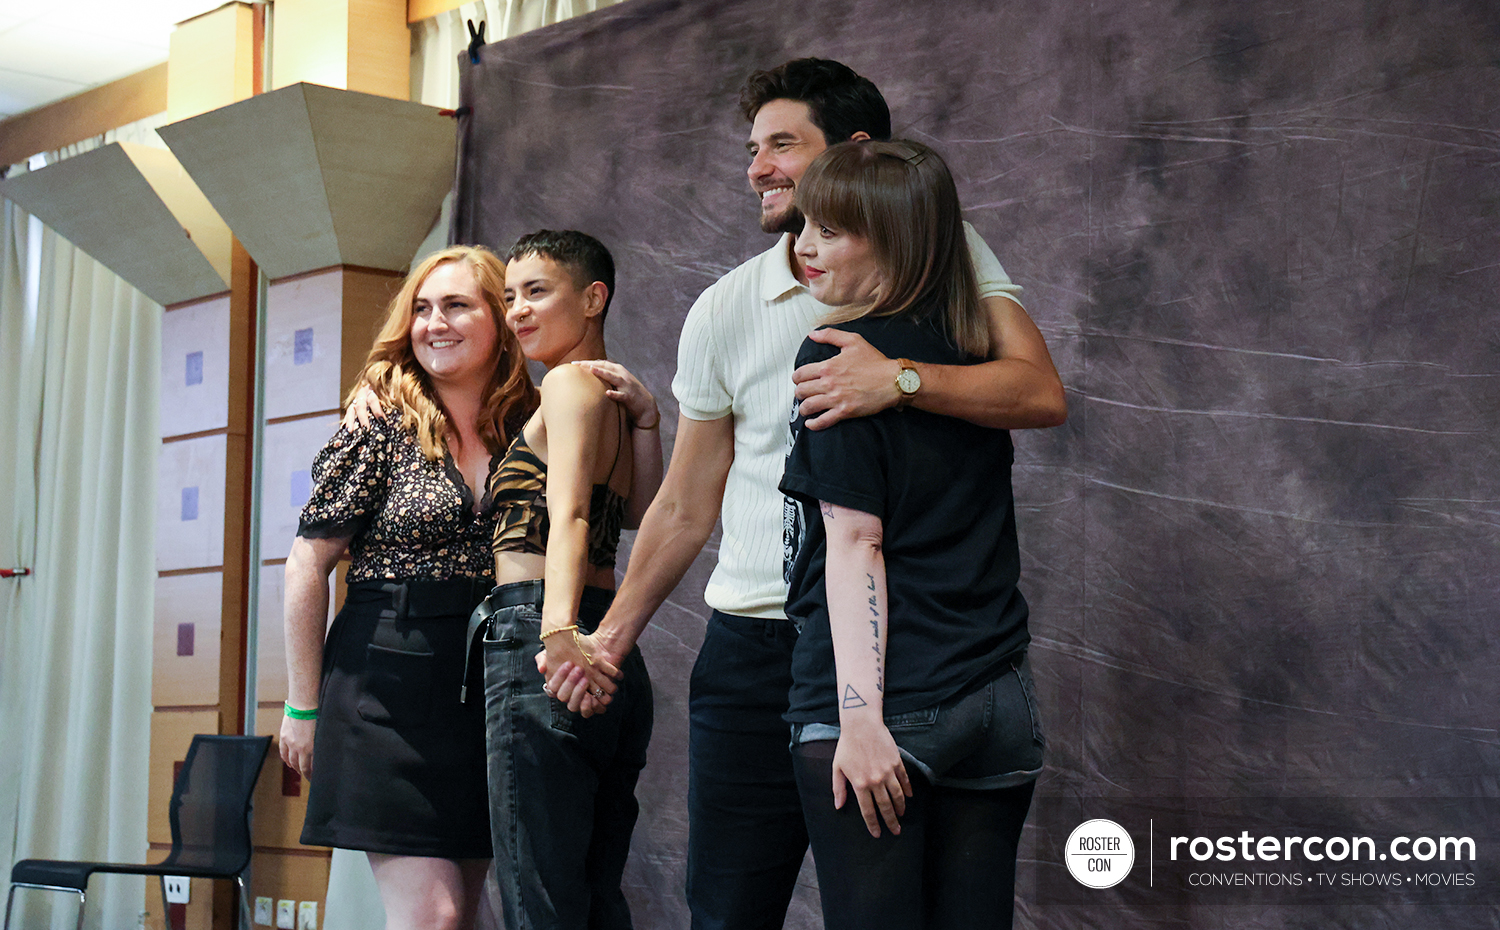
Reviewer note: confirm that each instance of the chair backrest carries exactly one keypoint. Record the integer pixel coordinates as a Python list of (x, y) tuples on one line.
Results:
[(210, 811)]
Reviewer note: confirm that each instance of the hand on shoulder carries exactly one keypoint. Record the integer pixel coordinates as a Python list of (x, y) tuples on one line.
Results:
[(375, 427), (364, 407), (575, 385)]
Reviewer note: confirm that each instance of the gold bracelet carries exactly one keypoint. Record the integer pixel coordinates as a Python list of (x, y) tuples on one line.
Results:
[(561, 629), (586, 657)]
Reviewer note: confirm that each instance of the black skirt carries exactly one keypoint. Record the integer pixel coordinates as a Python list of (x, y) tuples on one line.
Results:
[(398, 759)]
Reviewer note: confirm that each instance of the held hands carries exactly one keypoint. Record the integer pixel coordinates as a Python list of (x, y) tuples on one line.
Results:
[(857, 382), (624, 389), (580, 671), (297, 745), (867, 761)]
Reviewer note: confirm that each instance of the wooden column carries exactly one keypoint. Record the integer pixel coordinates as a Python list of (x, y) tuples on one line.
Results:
[(361, 45)]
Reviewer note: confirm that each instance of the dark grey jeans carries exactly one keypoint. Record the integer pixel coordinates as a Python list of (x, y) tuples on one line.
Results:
[(973, 763), (562, 787)]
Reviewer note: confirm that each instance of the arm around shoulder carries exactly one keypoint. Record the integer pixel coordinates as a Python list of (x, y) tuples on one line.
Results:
[(645, 473), (1018, 388)]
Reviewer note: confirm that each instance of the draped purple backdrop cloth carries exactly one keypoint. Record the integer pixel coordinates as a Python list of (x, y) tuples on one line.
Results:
[(1262, 240)]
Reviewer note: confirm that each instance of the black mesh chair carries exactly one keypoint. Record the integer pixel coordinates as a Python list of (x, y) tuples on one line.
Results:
[(210, 816)]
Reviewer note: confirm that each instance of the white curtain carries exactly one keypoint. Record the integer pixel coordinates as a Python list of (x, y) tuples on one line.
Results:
[(79, 364), (353, 900), (437, 42)]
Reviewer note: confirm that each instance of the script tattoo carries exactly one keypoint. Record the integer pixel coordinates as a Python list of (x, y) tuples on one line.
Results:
[(874, 602)]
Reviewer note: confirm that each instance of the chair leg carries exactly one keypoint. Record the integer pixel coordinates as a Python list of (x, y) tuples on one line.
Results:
[(246, 918), (10, 900)]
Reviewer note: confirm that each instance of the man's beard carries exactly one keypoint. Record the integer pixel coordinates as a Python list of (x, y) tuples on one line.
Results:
[(788, 221)]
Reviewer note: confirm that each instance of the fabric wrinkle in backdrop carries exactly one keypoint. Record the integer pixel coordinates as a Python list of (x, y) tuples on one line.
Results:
[(1260, 239)]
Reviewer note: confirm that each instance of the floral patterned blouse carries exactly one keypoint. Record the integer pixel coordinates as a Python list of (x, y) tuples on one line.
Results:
[(407, 517)]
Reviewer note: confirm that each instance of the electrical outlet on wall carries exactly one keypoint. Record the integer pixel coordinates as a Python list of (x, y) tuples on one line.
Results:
[(285, 915), (263, 911), (307, 915), (178, 889)]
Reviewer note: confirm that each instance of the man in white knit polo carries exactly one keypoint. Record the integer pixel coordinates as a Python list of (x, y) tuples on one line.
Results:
[(734, 386)]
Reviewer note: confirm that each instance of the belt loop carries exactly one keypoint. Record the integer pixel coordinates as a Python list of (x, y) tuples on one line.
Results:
[(397, 591)]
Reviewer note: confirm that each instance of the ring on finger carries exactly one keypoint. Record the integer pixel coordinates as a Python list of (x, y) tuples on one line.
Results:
[(598, 692), (548, 690)]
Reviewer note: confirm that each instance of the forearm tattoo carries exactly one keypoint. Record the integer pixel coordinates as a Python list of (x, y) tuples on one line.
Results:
[(875, 617)]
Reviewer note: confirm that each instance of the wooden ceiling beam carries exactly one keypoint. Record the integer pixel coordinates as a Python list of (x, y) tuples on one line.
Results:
[(83, 116)]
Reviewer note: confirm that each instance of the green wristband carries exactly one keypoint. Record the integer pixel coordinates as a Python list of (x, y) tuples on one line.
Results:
[(296, 714)]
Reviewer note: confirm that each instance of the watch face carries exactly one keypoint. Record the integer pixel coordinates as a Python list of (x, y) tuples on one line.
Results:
[(908, 381)]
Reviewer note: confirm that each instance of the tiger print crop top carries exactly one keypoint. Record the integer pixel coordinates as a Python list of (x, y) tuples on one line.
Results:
[(518, 488)]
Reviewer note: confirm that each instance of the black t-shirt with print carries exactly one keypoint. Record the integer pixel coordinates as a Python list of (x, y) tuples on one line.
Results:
[(941, 487)]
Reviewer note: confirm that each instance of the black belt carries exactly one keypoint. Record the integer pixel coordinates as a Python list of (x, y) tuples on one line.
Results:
[(514, 594), (517, 592), (420, 598), (506, 595)]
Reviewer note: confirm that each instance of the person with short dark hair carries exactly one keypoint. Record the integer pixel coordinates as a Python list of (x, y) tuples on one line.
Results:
[(735, 384), (583, 257), (840, 103), (911, 695), (562, 787)]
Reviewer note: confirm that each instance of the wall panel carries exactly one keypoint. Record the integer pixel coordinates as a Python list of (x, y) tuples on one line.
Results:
[(195, 367), (185, 652), (190, 503)]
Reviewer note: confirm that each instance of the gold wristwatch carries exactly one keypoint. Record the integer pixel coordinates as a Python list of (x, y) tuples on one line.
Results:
[(908, 382)]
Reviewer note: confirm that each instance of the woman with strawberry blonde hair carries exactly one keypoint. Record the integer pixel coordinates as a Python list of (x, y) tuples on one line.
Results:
[(395, 761)]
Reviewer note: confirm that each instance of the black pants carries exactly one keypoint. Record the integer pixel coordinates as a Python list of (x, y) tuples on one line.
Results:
[(972, 762), (952, 868), (746, 836)]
